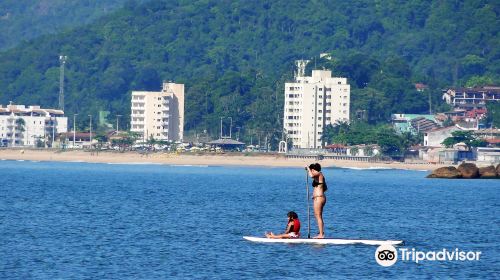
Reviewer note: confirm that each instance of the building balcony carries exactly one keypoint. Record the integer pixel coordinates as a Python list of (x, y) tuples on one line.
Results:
[(138, 127)]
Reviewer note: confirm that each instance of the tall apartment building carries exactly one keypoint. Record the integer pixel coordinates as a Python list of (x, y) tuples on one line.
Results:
[(159, 114), (311, 103), (25, 126)]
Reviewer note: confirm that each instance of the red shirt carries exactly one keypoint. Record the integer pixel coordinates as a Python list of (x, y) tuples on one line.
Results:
[(296, 226)]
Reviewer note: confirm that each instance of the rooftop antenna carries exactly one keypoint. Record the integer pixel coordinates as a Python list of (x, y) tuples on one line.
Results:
[(62, 61)]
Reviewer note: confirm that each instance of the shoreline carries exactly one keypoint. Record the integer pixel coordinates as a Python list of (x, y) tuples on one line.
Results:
[(252, 160)]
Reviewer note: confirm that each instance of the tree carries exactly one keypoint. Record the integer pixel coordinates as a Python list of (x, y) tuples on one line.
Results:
[(493, 114), (389, 142), (20, 123), (368, 151), (125, 141), (464, 136), (101, 139), (478, 81), (448, 122), (354, 151), (151, 142)]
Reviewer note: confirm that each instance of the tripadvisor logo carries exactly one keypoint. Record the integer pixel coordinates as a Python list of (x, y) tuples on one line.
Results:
[(387, 255)]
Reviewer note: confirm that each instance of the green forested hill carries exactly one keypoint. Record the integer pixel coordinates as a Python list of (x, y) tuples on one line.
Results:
[(28, 19), (234, 56)]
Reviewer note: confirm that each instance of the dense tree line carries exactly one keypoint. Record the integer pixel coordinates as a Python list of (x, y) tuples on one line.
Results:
[(28, 19), (360, 132), (235, 56)]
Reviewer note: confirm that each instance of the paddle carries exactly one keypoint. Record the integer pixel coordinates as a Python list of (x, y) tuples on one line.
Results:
[(308, 211)]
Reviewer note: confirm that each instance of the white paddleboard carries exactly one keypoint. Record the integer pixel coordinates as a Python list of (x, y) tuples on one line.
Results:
[(333, 241)]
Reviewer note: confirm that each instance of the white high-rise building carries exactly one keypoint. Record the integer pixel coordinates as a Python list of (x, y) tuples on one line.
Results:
[(159, 114), (27, 126), (311, 103)]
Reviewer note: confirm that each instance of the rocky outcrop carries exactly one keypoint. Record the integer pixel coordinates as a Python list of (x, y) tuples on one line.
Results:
[(448, 172), (488, 172), (468, 170)]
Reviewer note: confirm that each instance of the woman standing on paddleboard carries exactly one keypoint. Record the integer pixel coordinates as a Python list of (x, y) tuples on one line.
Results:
[(319, 197)]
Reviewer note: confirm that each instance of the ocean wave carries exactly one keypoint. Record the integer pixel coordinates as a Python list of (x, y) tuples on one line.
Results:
[(362, 168), (375, 168), (133, 163), (189, 165)]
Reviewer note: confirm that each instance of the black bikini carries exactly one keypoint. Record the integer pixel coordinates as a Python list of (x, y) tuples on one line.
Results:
[(316, 183)]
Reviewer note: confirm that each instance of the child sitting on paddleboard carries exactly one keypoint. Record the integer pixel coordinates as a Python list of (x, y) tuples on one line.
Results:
[(292, 228)]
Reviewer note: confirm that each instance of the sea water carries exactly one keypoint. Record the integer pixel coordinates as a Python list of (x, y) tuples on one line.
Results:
[(102, 221)]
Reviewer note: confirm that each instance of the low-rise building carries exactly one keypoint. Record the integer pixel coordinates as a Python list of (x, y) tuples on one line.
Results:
[(77, 140), (471, 98), (488, 155), (435, 137), (421, 87), (445, 155), (489, 133), (30, 126), (413, 123)]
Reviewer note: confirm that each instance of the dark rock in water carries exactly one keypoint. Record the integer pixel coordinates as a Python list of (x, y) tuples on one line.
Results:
[(468, 170), (498, 169), (449, 172), (488, 172)]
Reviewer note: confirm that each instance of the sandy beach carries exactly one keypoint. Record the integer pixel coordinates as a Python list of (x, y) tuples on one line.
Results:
[(270, 160)]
